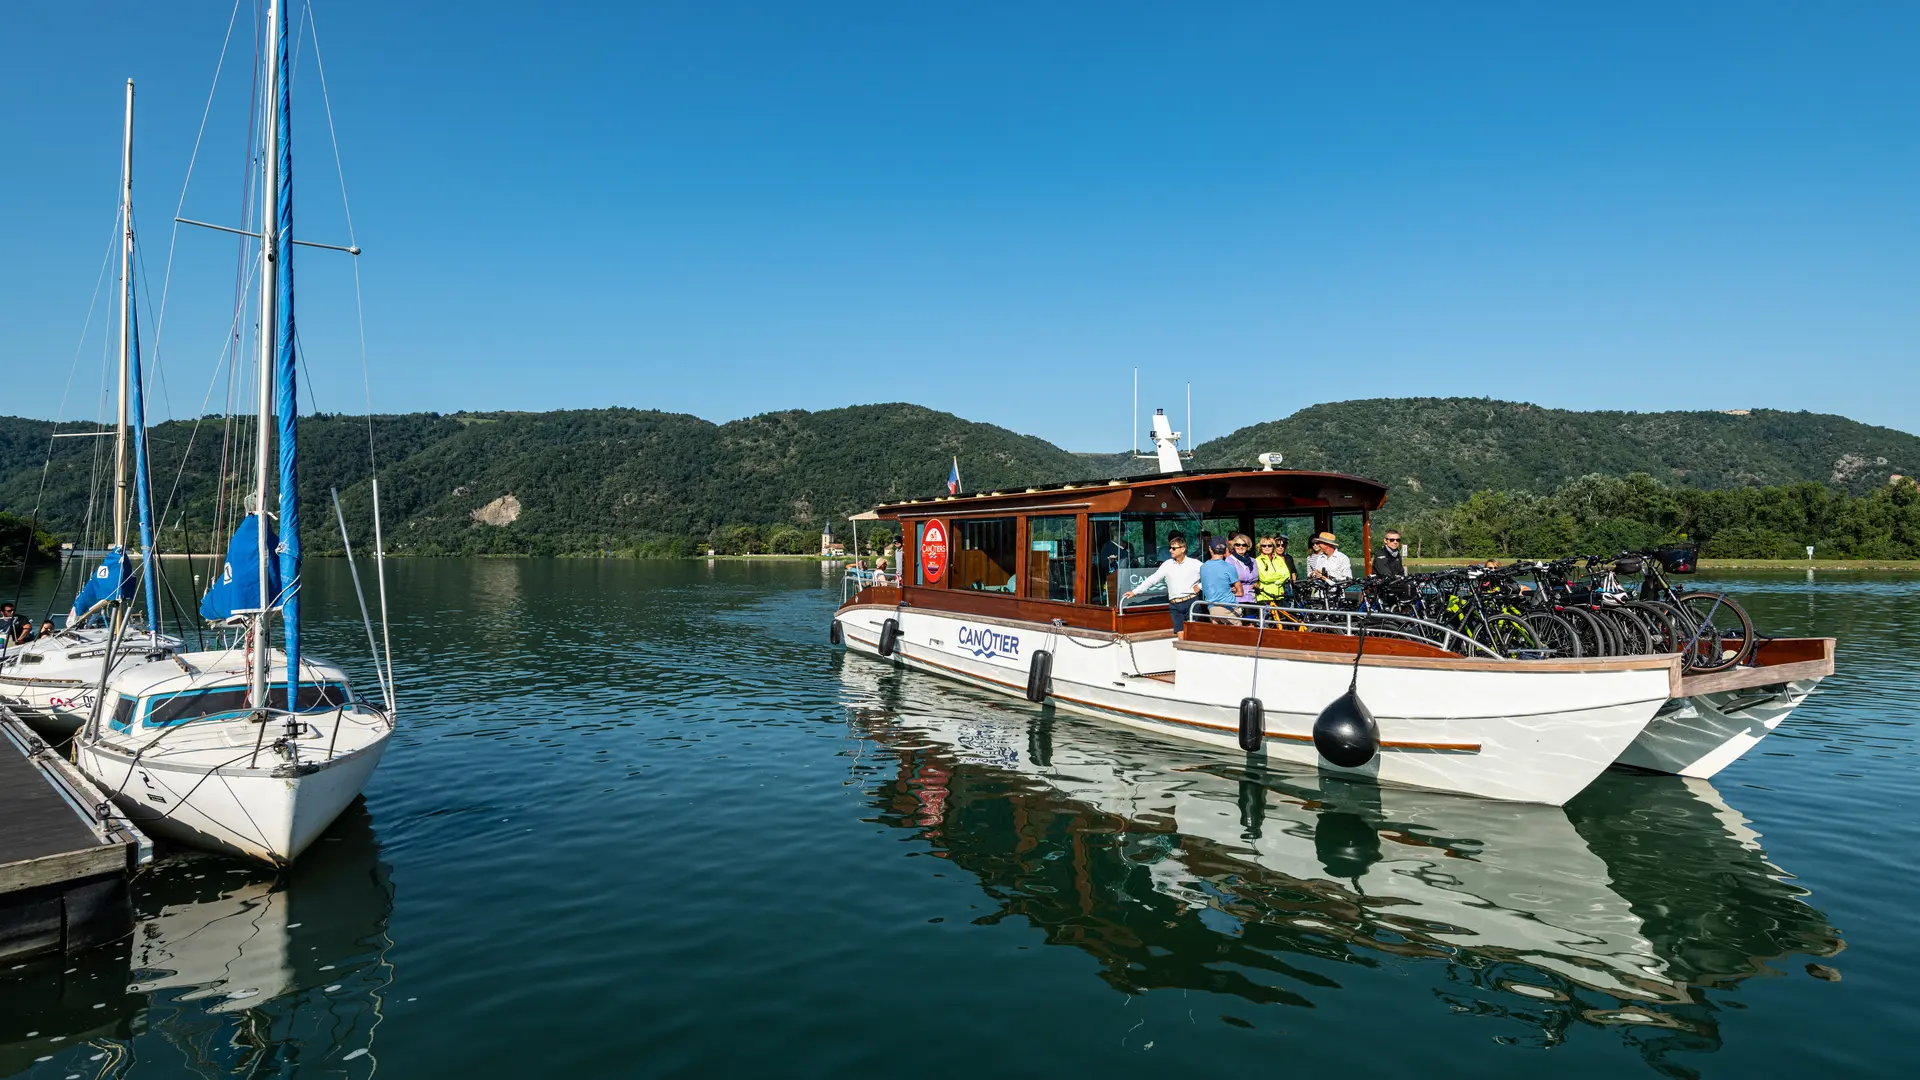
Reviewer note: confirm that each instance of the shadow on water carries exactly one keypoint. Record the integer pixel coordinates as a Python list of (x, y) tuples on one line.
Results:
[(232, 970), (1618, 912)]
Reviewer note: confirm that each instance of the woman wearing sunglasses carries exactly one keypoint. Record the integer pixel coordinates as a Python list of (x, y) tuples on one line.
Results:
[(1274, 568)]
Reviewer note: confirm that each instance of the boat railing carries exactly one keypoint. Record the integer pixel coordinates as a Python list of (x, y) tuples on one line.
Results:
[(1338, 621), (856, 579)]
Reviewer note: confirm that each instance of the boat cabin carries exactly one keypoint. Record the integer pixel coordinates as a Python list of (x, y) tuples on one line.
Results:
[(1069, 551)]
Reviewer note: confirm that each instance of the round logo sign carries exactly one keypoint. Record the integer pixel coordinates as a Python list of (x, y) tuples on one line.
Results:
[(933, 552)]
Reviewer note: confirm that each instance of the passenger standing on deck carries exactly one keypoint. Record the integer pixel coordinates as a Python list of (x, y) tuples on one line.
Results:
[(1274, 571), (1182, 577), (1328, 562), (1240, 554), (1391, 560), (1218, 580)]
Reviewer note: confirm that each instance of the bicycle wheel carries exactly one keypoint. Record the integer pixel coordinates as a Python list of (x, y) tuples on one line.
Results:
[(1636, 637), (1731, 625), (1594, 637), (1556, 635), (1512, 638), (1663, 621)]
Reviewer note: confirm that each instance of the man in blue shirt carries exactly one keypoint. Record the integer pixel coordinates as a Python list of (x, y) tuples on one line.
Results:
[(1217, 579)]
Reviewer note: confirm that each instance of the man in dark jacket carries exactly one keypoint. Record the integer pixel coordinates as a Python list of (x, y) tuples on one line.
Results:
[(1390, 560)]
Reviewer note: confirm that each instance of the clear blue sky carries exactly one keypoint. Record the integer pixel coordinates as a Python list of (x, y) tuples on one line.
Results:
[(726, 209)]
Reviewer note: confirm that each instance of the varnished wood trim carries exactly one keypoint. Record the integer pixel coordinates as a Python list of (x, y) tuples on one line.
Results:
[(1669, 661)]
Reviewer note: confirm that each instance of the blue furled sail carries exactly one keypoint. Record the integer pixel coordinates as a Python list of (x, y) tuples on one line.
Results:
[(237, 590), (287, 402), (143, 493), (109, 579)]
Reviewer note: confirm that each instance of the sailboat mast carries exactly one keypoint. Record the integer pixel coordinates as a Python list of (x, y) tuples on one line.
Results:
[(126, 318), (269, 324)]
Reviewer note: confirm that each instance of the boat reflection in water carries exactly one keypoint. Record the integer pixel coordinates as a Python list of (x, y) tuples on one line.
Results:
[(1621, 909), (232, 969)]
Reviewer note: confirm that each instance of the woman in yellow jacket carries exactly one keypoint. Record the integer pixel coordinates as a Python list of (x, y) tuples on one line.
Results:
[(1274, 570)]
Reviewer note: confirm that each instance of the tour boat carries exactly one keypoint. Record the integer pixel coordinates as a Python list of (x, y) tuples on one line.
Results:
[(1021, 591), (251, 749)]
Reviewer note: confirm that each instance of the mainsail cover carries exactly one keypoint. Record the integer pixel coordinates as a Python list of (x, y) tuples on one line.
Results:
[(286, 377), (237, 590), (109, 580)]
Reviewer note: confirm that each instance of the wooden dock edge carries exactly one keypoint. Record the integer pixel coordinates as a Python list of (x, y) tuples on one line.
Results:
[(67, 901)]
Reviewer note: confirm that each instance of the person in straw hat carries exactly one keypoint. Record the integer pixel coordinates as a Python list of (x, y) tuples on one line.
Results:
[(1328, 562)]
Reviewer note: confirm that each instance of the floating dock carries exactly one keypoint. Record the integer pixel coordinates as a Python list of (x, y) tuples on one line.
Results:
[(66, 854)]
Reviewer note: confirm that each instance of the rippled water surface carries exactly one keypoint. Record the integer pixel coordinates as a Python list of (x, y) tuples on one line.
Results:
[(640, 819)]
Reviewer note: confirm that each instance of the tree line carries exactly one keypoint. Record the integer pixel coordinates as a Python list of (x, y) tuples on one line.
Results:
[(1603, 514)]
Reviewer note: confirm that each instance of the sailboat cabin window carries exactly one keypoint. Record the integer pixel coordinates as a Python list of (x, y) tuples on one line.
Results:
[(1050, 556), (984, 554)]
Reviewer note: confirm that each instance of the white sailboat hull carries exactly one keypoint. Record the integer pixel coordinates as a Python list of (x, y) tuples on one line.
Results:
[(1515, 730), (268, 812), (51, 683)]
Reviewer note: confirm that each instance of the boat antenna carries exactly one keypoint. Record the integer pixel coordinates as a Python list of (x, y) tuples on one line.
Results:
[(1133, 433)]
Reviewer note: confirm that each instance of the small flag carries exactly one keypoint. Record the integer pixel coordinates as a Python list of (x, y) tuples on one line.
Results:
[(953, 478)]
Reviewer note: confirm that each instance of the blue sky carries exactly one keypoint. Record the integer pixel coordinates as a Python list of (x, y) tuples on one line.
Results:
[(1000, 210)]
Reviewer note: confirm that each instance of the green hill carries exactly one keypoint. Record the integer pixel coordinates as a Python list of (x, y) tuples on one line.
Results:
[(625, 479), (1437, 451)]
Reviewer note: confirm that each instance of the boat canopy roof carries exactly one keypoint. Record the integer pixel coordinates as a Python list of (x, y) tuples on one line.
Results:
[(1275, 493)]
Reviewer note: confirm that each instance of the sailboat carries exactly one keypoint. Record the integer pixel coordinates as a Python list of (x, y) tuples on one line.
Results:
[(251, 750), (51, 681)]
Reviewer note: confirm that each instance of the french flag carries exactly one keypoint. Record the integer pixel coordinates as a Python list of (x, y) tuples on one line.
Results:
[(953, 478)]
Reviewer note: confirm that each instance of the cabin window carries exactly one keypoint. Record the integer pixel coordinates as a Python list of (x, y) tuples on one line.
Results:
[(123, 713), (1050, 557), (317, 697), (1127, 548), (195, 704), (984, 554)]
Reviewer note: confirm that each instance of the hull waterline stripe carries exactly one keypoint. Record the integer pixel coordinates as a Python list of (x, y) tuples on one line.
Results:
[(1385, 744)]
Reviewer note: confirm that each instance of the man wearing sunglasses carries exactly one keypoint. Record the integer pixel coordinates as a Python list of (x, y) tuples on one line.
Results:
[(1391, 559)]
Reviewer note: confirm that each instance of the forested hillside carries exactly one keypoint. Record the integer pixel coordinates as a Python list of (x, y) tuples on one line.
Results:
[(646, 482), (1437, 451)]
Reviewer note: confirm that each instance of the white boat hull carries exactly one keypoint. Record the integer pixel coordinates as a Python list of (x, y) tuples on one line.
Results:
[(267, 813), (1499, 729), (1699, 736), (51, 683)]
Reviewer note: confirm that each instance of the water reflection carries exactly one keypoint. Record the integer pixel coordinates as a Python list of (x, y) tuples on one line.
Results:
[(1177, 870), (232, 970)]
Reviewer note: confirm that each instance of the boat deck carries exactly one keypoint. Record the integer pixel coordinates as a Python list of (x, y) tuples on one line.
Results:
[(64, 863)]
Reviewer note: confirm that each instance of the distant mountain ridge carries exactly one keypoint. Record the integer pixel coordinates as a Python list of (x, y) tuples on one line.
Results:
[(1436, 451), (611, 479)]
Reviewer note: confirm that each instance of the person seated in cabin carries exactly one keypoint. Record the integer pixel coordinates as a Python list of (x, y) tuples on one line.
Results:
[(1328, 562), (1218, 580), (1274, 569), (46, 628), (1182, 577), (9, 622)]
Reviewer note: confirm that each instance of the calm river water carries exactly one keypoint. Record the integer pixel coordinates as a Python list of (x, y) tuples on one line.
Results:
[(639, 819)]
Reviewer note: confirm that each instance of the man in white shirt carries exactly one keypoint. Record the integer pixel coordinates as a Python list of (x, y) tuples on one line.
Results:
[(1328, 562), (1182, 576)]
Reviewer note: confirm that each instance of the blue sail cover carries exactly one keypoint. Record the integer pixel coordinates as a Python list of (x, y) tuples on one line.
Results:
[(286, 381), (109, 579), (237, 590), (143, 491)]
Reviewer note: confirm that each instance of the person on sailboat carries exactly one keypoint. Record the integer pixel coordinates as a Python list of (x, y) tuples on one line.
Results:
[(8, 620)]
